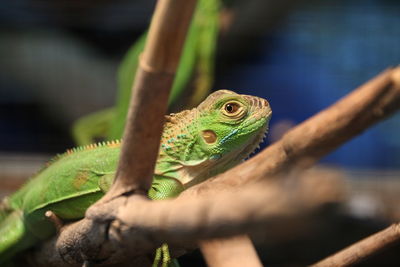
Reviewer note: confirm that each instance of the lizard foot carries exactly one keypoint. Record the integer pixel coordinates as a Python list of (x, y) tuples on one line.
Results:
[(163, 256)]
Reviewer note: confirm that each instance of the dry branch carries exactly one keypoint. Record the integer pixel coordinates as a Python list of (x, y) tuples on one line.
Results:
[(143, 225), (363, 249), (154, 77), (149, 223)]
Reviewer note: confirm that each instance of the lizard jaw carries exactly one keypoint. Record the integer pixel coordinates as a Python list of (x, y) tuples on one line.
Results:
[(255, 145), (192, 175)]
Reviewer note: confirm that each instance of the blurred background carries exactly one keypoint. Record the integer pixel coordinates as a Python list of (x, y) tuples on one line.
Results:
[(59, 61)]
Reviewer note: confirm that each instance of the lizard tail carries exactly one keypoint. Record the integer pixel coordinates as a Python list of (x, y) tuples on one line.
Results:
[(12, 235)]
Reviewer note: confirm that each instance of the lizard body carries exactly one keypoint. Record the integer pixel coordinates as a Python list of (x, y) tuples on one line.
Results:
[(195, 145)]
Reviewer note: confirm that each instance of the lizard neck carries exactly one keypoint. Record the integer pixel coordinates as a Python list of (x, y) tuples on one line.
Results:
[(181, 154)]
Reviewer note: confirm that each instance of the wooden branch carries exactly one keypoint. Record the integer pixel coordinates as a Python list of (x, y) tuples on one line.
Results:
[(132, 226), (209, 210), (154, 77), (363, 249), (237, 251), (166, 36)]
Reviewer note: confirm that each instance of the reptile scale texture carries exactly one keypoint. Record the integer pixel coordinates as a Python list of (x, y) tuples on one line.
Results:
[(196, 144)]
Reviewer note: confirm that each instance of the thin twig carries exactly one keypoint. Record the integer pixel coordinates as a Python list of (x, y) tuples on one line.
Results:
[(363, 249)]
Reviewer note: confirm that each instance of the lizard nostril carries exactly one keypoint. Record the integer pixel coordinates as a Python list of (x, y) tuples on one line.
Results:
[(260, 103)]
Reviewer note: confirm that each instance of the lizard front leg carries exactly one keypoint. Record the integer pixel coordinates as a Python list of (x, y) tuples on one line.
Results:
[(164, 188)]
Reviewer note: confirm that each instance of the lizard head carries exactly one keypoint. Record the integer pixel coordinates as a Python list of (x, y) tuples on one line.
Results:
[(221, 132)]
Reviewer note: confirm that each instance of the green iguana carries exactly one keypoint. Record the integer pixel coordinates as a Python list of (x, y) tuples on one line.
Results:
[(196, 144)]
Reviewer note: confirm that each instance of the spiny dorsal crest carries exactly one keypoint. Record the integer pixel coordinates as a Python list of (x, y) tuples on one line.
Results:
[(113, 143)]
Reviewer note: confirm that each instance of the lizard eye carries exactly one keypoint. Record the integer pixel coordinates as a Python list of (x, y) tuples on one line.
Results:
[(231, 107)]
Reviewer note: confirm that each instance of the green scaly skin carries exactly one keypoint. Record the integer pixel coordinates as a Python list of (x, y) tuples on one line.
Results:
[(196, 144)]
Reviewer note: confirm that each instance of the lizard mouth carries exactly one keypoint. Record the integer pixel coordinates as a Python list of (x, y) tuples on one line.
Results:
[(253, 143), (248, 150), (244, 152)]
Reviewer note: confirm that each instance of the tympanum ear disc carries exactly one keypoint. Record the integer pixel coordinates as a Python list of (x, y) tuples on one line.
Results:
[(209, 136)]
